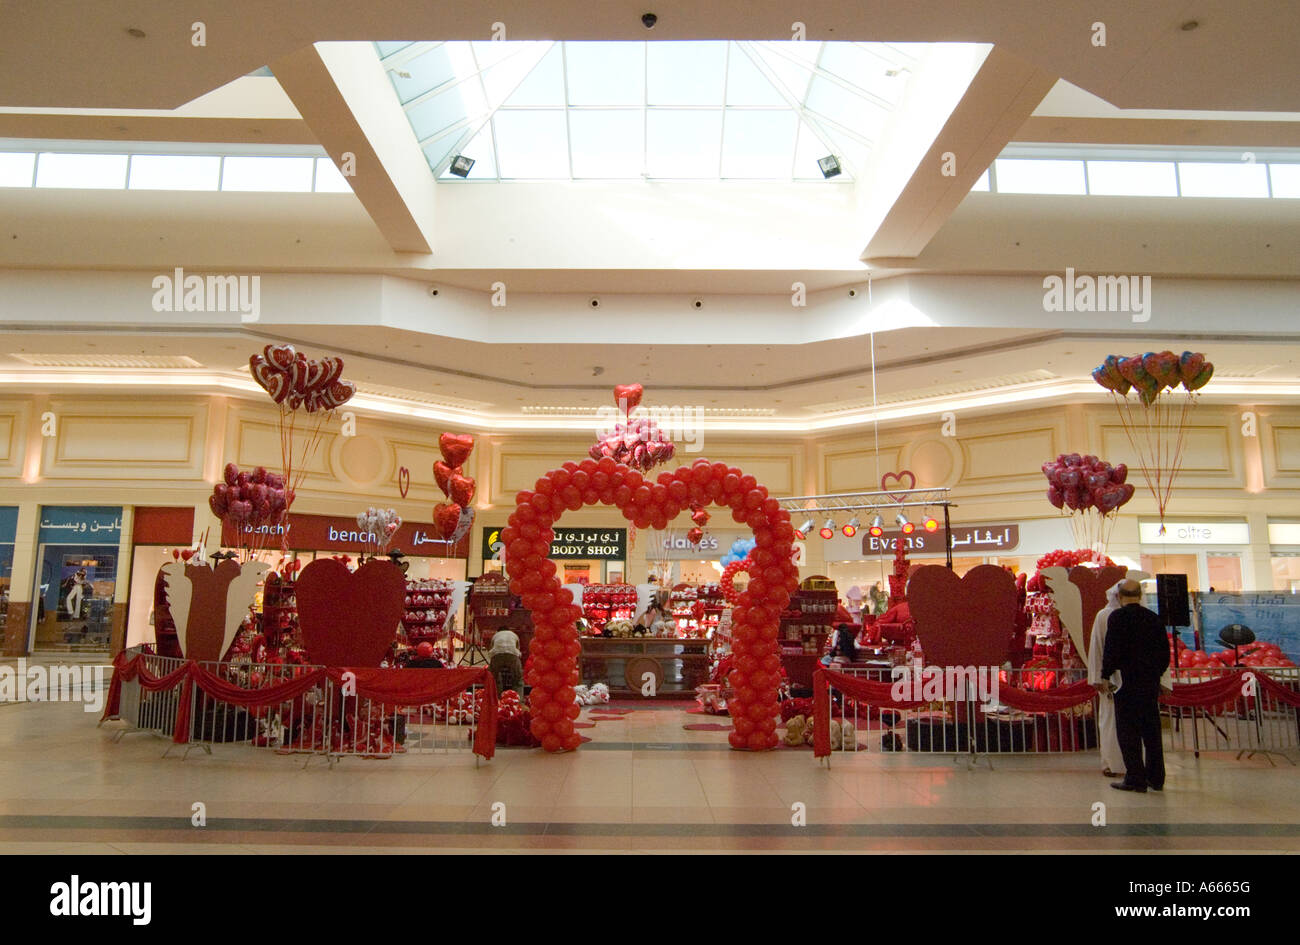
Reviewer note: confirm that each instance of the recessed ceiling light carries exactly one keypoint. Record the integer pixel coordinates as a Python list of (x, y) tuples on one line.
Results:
[(136, 32)]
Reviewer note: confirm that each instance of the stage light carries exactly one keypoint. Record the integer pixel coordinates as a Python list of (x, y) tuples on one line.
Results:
[(877, 527), (851, 528), (830, 166), (460, 165), (803, 530), (931, 523), (906, 526), (828, 530)]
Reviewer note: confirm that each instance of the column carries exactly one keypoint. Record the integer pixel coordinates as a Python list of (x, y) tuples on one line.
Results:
[(17, 625), (122, 581)]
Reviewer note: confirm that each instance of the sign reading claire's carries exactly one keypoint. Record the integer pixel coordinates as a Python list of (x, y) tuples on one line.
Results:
[(569, 544)]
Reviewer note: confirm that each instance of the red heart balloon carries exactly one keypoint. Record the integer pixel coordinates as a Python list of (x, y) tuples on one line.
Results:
[(350, 618), (314, 378), (627, 397), (461, 489), (700, 517), (442, 474), (455, 448), (332, 369), (966, 621), (274, 382), (694, 535), (445, 518), (280, 356), (339, 393)]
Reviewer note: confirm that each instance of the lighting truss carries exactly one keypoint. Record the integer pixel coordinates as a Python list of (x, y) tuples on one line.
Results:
[(814, 506)]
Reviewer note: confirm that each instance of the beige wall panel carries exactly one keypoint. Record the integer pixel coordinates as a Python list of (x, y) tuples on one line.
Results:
[(848, 467), (1211, 453), (257, 443), (419, 458), (14, 419), (1280, 445), (1014, 456), (126, 440)]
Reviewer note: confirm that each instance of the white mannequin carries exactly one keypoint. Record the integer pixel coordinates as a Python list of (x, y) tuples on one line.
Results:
[(76, 593)]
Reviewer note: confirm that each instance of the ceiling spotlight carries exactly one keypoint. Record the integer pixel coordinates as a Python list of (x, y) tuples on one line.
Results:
[(851, 528), (828, 530), (830, 166), (803, 530), (931, 523), (460, 165), (877, 526), (904, 524)]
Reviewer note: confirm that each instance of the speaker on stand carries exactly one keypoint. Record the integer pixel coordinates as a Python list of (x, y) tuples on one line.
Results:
[(1171, 604)]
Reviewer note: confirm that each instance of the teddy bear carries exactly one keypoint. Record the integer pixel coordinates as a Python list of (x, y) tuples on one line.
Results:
[(794, 731), (843, 735)]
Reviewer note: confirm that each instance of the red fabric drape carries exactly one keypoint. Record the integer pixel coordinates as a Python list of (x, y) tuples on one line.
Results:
[(1215, 692), (406, 687), (1278, 691), (861, 690), (1054, 700)]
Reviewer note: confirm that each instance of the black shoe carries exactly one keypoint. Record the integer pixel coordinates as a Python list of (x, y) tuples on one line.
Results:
[(1125, 786), (1154, 788)]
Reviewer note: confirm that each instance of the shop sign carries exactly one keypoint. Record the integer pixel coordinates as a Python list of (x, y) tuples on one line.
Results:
[(77, 525), (569, 544), (966, 540), (1279, 533), (335, 533), (8, 524), (1194, 533)]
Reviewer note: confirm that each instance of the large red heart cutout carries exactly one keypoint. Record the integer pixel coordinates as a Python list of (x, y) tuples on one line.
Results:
[(455, 448), (963, 621), (627, 397), (461, 489), (897, 477), (1093, 583), (446, 516), (350, 618), (442, 474)]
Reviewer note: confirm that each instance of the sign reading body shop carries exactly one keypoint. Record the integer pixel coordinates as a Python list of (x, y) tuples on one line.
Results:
[(570, 544)]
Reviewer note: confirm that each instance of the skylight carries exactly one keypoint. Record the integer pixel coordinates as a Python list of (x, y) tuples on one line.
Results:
[(661, 111)]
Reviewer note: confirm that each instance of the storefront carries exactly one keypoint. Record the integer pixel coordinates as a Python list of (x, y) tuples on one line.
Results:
[(1210, 553), (582, 555), (155, 532), (8, 533), (674, 559), (76, 578)]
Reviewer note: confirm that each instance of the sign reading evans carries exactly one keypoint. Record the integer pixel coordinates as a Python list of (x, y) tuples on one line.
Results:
[(965, 540), (571, 544)]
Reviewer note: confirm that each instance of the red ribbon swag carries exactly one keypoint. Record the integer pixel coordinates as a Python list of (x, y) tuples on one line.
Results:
[(396, 687), (1206, 695)]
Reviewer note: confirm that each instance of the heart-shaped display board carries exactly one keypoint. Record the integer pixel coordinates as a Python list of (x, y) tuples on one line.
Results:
[(350, 618), (899, 477), (963, 621), (207, 605)]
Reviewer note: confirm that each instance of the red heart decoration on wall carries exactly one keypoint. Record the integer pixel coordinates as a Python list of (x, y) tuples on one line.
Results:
[(1093, 583), (446, 516), (442, 474), (455, 448), (461, 490), (350, 618), (403, 481), (897, 477), (963, 621), (627, 397)]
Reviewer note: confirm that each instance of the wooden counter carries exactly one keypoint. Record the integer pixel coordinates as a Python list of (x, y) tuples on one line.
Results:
[(677, 665)]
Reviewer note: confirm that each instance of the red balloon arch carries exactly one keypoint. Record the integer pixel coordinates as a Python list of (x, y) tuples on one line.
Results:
[(553, 661)]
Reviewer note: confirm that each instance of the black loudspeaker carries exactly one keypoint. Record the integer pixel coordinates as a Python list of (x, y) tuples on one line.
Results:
[(1171, 597)]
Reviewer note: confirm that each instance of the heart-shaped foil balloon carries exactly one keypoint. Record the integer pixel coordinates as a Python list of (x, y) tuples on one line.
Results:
[(455, 448)]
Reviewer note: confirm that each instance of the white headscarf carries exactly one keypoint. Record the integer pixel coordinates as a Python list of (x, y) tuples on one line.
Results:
[(504, 641)]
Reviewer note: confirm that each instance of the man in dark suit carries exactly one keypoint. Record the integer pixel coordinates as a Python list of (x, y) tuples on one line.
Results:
[(1137, 647)]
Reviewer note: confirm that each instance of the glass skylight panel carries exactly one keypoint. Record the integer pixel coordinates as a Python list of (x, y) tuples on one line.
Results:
[(174, 172), (606, 73), (758, 144), (1286, 179), (532, 144), (328, 178), (683, 144), (16, 168), (860, 66), (981, 186), (387, 49), (792, 75), (1132, 178), (607, 144), (503, 77), (265, 174), (488, 54), (544, 86), (746, 85), (1025, 176), (426, 71), (81, 171), (685, 73), (840, 105), (809, 150), (1222, 180), (461, 101)]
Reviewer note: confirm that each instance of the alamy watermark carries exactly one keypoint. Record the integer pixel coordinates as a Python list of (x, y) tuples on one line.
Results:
[(85, 684), (214, 293), (945, 684), (1071, 293), (683, 425)]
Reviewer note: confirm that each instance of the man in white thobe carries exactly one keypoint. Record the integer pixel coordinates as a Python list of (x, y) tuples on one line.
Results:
[(1112, 763)]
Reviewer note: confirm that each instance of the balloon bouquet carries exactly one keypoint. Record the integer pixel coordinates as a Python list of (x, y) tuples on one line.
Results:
[(379, 526), (638, 443), (1082, 485), (1165, 388), (451, 520), (296, 382), (252, 504)]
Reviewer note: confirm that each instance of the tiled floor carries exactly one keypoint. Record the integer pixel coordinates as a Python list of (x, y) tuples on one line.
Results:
[(643, 784)]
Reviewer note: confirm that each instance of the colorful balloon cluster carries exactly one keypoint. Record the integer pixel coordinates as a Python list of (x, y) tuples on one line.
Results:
[(382, 524), (254, 499), (1153, 372), (452, 519), (293, 379), (638, 443), (740, 549), (1080, 483), (553, 670)]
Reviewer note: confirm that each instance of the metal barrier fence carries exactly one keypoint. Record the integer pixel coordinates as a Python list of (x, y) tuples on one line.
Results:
[(327, 721), (1251, 723)]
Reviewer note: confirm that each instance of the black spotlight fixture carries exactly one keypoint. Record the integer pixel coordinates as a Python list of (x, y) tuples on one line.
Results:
[(830, 166), (648, 20), (460, 165)]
